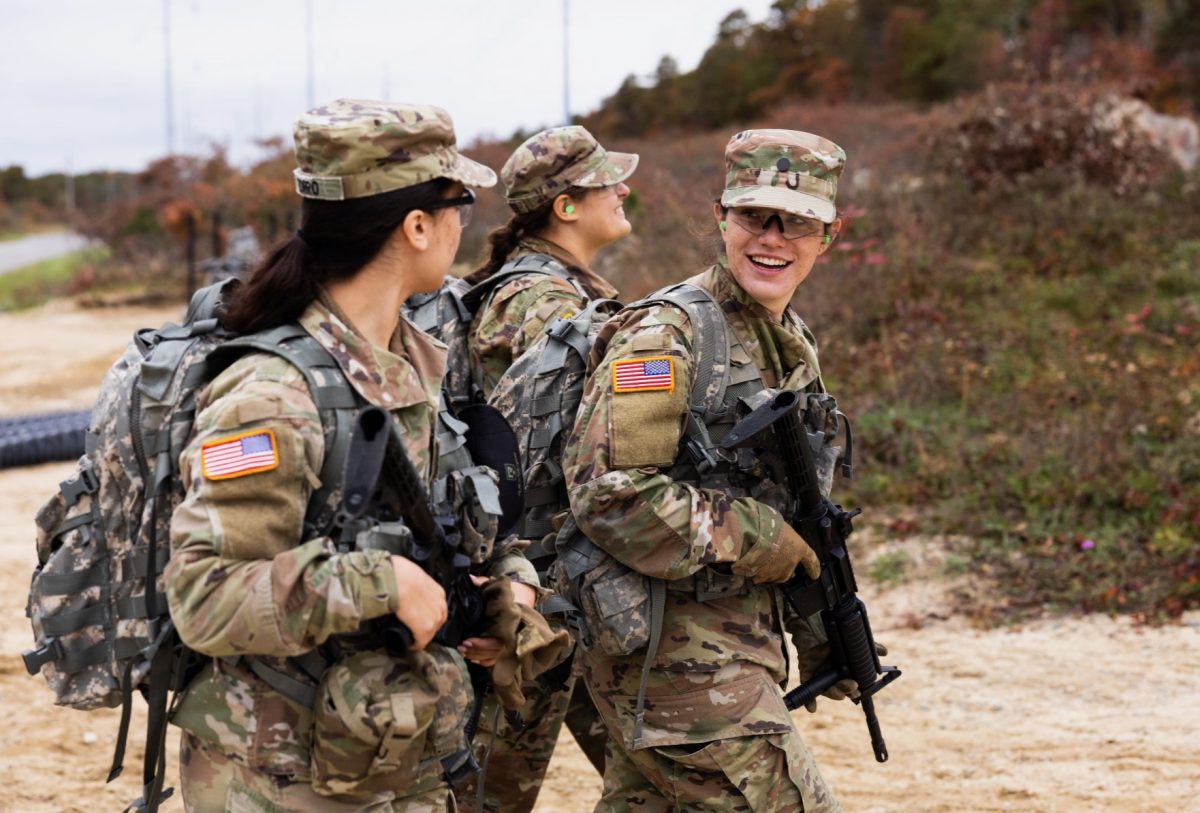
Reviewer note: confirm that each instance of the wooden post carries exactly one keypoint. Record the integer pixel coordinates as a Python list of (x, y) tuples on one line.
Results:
[(217, 248), (191, 254)]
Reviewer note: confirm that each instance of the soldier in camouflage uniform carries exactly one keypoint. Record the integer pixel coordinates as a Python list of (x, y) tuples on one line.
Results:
[(566, 192), (268, 726), (715, 734)]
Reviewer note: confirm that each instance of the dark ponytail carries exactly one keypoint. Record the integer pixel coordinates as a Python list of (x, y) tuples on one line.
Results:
[(334, 241), (503, 241)]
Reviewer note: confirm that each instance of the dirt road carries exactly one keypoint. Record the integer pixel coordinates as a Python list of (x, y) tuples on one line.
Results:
[(1064, 714)]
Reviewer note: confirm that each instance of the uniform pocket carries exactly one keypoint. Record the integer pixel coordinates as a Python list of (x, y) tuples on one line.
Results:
[(616, 607), (370, 725), (749, 705), (762, 769)]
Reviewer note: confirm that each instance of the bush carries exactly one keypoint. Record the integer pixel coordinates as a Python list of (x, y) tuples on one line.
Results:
[(1016, 129), (1022, 366)]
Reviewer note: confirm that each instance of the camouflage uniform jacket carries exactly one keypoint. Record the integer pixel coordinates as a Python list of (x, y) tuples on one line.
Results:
[(241, 580), (517, 313), (618, 465)]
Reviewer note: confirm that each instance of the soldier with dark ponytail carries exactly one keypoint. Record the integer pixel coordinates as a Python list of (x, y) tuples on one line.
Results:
[(566, 193), (567, 196)]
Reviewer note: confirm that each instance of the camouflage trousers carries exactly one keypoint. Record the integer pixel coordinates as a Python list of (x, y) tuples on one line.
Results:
[(212, 782), (720, 742), (515, 758)]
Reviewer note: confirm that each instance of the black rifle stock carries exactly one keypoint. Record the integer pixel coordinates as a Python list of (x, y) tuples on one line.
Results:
[(380, 478), (825, 527)]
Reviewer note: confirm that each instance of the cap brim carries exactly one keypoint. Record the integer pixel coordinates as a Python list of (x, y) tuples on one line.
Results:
[(780, 197), (617, 167), (471, 173)]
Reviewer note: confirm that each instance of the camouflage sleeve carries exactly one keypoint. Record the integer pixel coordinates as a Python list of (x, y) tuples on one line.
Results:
[(512, 564), (240, 579), (624, 442), (515, 318)]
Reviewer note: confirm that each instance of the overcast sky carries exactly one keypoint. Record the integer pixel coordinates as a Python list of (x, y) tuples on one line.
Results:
[(82, 82)]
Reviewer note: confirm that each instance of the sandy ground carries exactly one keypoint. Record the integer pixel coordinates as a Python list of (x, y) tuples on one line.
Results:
[(1060, 714)]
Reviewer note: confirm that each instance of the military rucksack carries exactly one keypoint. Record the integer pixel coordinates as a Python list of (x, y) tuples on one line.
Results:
[(444, 315), (100, 619), (540, 396), (621, 609)]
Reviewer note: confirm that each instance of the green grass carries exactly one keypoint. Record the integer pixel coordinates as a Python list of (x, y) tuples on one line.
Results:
[(891, 567), (1030, 385), (34, 284)]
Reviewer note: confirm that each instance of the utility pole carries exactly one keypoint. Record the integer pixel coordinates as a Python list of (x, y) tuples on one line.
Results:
[(308, 12), (566, 66), (170, 115), (70, 190)]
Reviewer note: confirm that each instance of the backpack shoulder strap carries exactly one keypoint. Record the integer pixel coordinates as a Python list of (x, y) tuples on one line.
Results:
[(428, 311), (711, 350), (336, 402), (710, 346), (528, 264)]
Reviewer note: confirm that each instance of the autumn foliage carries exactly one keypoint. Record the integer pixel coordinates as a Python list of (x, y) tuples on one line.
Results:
[(1012, 314)]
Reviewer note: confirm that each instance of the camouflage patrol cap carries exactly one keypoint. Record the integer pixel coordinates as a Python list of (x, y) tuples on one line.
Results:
[(352, 148), (783, 169), (548, 162)]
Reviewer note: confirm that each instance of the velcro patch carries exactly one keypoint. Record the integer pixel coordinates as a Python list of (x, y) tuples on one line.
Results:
[(239, 455), (644, 375), (317, 187)]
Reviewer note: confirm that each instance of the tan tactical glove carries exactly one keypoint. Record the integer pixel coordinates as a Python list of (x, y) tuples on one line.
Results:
[(774, 563), (812, 658), (530, 646)]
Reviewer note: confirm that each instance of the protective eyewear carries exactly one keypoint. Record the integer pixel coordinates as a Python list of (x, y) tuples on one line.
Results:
[(757, 221), (463, 203)]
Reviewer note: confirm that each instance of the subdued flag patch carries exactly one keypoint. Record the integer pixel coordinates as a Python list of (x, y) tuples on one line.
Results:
[(644, 375), (239, 455)]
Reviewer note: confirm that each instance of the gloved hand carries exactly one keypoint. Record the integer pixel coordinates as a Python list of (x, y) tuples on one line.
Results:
[(812, 659), (774, 563), (530, 646)]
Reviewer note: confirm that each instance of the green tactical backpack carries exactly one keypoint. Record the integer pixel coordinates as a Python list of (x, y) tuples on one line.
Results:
[(100, 620)]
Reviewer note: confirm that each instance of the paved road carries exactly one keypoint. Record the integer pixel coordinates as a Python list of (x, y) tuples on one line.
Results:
[(35, 248)]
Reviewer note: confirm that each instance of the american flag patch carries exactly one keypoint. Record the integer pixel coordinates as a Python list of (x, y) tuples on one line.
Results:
[(644, 375), (247, 453)]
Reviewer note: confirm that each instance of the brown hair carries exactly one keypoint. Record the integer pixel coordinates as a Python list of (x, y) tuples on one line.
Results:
[(503, 241), (334, 241)]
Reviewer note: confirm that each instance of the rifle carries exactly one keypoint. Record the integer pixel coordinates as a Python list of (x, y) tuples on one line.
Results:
[(825, 527), (381, 479), (376, 453)]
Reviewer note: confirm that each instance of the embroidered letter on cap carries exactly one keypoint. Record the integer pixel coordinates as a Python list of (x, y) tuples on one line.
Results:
[(239, 455), (644, 375)]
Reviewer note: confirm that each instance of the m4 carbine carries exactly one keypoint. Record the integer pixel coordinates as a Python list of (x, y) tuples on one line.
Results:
[(777, 426), (381, 483)]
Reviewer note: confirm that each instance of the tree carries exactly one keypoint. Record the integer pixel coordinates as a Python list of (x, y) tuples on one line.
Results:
[(14, 185)]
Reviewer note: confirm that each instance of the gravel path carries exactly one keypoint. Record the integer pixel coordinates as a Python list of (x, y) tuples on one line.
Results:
[(16, 254)]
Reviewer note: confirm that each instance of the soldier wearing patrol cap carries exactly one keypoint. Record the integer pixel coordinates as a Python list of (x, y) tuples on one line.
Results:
[(695, 716), (567, 195), (299, 707)]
